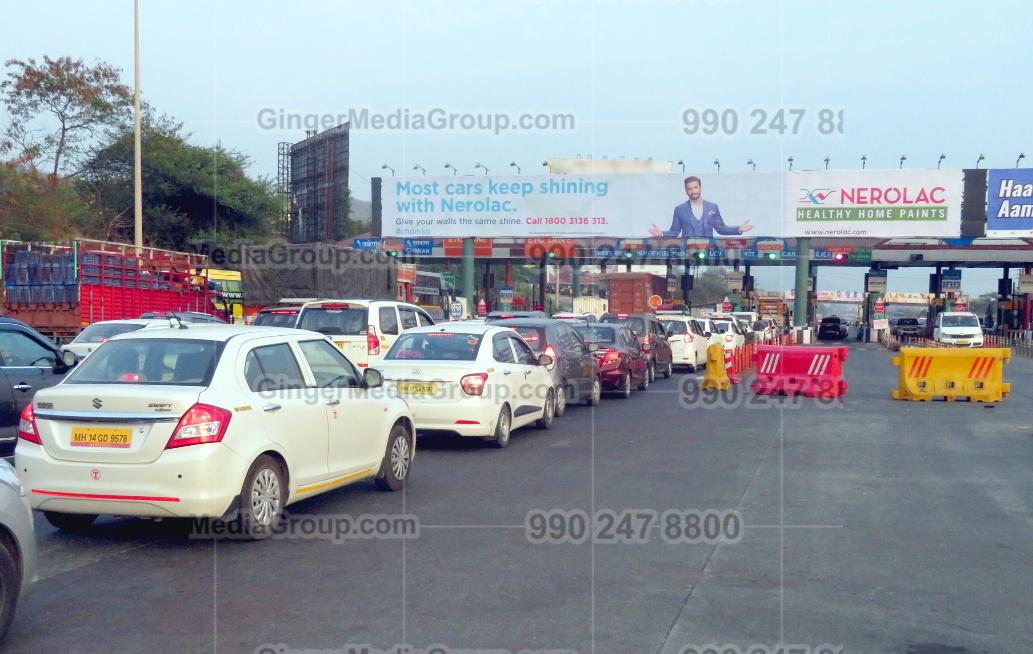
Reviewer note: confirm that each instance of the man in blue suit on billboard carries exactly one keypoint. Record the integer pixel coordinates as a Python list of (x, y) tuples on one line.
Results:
[(698, 218)]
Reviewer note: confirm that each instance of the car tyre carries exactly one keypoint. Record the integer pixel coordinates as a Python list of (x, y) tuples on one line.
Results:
[(10, 587), (597, 393), (262, 499), (394, 468), (549, 413), (503, 425), (625, 389), (646, 378), (651, 373), (563, 392), (70, 521), (668, 370)]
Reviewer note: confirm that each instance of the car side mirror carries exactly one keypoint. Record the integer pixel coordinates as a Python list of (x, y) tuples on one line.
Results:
[(68, 358), (707, 334), (592, 347), (544, 360), (371, 378)]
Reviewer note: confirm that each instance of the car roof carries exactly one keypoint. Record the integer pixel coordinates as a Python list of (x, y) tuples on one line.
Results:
[(457, 326), (130, 321), (957, 313), (211, 332), (531, 321)]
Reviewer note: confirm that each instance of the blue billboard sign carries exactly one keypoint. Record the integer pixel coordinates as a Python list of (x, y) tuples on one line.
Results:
[(1009, 202)]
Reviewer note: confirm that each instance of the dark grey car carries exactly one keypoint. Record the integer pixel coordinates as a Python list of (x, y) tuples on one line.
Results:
[(575, 370), (29, 361)]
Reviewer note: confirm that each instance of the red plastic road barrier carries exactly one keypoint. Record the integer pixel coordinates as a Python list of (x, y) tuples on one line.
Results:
[(810, 371), (733, 376)]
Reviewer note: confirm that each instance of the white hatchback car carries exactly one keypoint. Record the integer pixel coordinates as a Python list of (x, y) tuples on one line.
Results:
[(470, 379), (731, 332), (688, 342), (222, 422)]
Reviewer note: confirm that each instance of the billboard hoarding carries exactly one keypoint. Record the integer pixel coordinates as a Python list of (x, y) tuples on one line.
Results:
[(1009, 202), (874, 203)]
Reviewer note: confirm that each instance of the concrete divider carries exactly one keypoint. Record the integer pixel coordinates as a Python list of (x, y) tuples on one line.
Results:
[(974, 374)]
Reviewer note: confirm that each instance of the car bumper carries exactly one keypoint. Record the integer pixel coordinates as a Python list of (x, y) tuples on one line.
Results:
[(470, 417), (194, 481)]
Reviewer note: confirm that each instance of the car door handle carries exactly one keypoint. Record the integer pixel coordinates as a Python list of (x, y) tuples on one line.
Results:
[(22, 387), (333, 402), (269, 408), (508, 372)]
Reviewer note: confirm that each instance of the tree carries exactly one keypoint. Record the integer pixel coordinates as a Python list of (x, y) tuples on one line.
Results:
[(34, 206), (84, 100), (190, 192)]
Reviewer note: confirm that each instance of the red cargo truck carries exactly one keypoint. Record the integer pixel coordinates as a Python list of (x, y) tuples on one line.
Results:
[(630, 292), (60, 288)]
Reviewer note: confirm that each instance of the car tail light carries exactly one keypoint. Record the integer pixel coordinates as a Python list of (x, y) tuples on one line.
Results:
[(474, 384), (27, 426), (372, 340), (551, 351), (611, 356), (647, 346), (202, 423)]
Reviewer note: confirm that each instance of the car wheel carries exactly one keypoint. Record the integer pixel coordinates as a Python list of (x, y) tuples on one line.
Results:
[(503, 425), (545, 422), (668, 370), (70, 521), (646, 378), (395, 467), (10, 587), (597, 393), (625, 388), (562, 392), (651, 373), (262, 498)]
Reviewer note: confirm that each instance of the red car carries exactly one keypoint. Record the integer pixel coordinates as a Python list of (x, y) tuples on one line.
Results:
[(622, 362)]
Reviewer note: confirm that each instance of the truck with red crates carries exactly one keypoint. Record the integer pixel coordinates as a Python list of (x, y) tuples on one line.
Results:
[(59, 288)]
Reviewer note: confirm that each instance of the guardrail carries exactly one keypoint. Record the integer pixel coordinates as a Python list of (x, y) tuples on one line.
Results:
[(1020, 345)]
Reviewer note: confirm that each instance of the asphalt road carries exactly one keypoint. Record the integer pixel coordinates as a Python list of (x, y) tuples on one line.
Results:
[(868, 525)]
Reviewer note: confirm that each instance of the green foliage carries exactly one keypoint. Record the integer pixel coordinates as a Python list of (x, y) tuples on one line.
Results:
[(35, 206), (189, 192)]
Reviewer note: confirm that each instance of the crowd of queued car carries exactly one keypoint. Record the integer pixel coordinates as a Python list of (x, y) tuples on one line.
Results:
[(134, 417)]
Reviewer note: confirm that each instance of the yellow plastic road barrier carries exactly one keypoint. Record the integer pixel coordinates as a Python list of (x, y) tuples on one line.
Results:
[(976, 374), (716, 376)]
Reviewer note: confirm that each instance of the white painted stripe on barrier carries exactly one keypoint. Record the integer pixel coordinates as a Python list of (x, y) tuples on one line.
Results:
[(824, 364), (814, 364)]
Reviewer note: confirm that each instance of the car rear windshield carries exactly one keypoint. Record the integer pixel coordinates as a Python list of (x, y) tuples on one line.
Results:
[(334, 320), (637, 325), (276, 318), (101, 333), (908, 321), (436, 346), (598, 334), (160, 361), (960, 321), (721, 326), (676, 327), (533, 336), (830, 321)]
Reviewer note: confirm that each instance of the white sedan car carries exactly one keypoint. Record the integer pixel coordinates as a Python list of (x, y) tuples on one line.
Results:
[(731, 333), (470, 379), (688, 342), (90, 338), (225, 422)]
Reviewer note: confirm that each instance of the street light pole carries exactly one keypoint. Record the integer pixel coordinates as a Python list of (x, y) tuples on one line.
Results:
[(864, 161), (979, 161), (454, 171), (903, 158), (482, 166), (749, 162), (423, 171), (682, 164), (790, 160), (1022, 156), (940, 161), (717, 162), (386, 167), (826, 162), (137, 159), (513, 164)]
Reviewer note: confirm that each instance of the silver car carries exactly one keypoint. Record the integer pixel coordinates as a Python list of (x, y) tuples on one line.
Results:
[(17, 544)]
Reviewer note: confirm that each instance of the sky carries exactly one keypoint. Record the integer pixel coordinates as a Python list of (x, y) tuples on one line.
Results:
[(916, 78)]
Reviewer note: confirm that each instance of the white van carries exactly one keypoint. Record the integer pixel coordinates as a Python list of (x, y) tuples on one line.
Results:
[(363, 329), (958, 328)]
